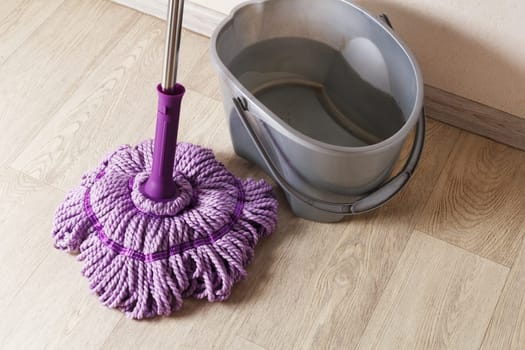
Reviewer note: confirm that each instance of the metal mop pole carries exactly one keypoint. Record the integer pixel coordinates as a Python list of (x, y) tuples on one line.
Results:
[(160, 186), (173, 34)]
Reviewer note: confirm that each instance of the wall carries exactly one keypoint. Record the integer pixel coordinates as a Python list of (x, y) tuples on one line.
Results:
[(472, 48)]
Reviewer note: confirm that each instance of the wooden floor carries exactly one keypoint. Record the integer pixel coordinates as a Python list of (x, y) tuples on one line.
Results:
[(442, 266)]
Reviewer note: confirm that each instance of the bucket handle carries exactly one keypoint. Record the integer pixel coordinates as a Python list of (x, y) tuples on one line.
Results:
[(367, 203)]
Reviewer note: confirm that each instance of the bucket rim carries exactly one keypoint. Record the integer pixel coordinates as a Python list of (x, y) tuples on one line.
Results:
[(273, 120)]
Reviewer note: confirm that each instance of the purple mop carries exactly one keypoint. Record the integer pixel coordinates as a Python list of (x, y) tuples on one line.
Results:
[(162, 221)]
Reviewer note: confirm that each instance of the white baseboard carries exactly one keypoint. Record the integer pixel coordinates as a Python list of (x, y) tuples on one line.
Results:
[(197, 18)]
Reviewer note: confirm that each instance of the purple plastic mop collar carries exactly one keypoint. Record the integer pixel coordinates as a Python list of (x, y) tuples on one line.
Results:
[(160, 185)]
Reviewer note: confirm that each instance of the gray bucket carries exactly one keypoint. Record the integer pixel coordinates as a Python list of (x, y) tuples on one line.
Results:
[(321, 95)]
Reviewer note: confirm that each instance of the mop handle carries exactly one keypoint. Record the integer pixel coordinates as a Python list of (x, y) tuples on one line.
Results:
[(160, 185)]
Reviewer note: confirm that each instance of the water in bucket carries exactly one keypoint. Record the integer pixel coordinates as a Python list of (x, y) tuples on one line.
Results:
[(340, 97)]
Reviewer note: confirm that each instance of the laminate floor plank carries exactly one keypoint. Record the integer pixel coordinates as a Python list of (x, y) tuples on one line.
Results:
[(44, 71), (507, 326), (25, 209), (439, 297), (479, 201), (19, 19), (204, 78), (55, 309)]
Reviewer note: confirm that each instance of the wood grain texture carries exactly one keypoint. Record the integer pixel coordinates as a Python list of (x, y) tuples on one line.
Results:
[(244, 344), (350, 284), (204, 78), (54, 309), (479, 202), (119, 94), (48, 67), (25, 208), (19, 19), (507, 326), (475, 117), (106, 99), (439, 297)]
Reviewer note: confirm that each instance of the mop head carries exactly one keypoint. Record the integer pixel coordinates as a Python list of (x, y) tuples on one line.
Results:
[(143, 257)]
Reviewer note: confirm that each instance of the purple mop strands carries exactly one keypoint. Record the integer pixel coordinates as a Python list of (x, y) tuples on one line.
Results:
[(163, 221), (144, 256)]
